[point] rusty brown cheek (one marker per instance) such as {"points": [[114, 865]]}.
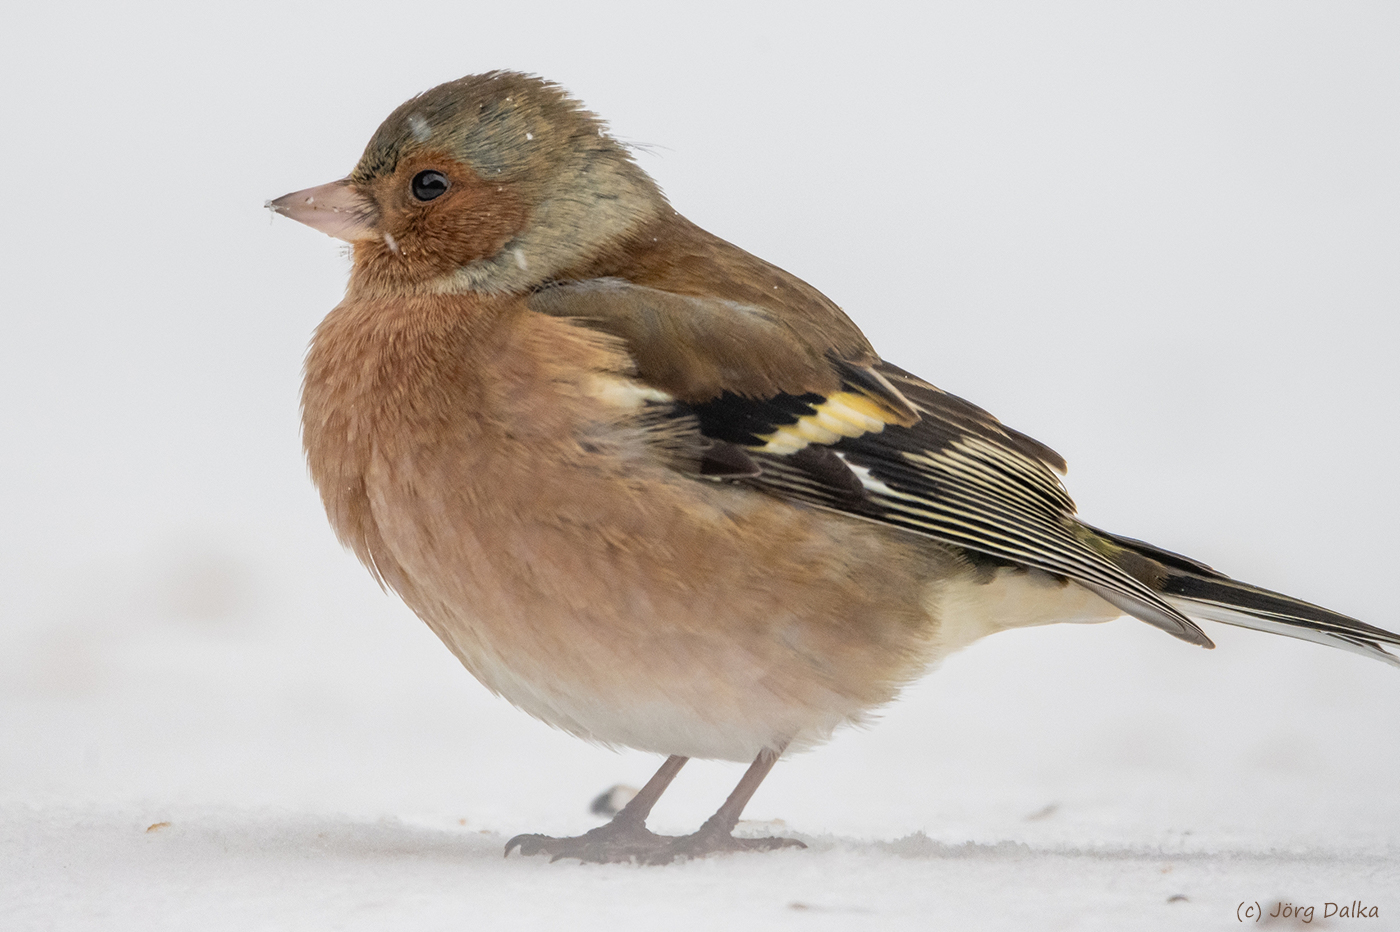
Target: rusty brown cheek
{"points": [[479, 220], [472, 221]]}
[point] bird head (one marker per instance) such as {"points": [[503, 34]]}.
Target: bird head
{"points": [[491, 184]]}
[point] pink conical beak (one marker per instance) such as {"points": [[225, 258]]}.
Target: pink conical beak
{"points": [[336, 209]]}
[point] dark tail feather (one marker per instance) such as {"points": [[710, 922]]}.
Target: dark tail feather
{"points": [[1198, 591]]}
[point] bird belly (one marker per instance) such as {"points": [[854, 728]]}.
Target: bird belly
{"points": [[660, 613]]}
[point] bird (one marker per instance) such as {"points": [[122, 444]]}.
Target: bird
{"points": [[660, 493]]}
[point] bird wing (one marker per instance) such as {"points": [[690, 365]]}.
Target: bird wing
{"points": [[784, 412]]}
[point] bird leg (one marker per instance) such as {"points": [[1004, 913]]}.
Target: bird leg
{"points": [[716, 835], [625, 838]]}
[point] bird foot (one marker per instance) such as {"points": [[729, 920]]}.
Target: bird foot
{"points": [[617, 842], [710, 841], [624, 842]]}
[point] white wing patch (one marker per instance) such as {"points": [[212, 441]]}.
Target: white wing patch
{"points": [[870, 483]]}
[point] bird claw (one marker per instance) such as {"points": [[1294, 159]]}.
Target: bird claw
{"points": [[528, 844]]}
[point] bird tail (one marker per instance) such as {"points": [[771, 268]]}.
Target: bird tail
{"points": [[1200, 592]]}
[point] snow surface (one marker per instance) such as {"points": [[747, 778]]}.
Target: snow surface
{"points": [[242, 764], [1161, 238]]}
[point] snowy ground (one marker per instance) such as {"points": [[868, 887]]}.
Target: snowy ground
{"points": [[1159, 237], [220, 869], [233, 763]]}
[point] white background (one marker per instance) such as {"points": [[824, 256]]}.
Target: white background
{"points": [[1163, 238]]}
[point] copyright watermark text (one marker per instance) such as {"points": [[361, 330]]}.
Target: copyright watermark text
{"points": [[1254, 912]]}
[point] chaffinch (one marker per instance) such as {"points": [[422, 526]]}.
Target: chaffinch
{"points": [[660, 493]]}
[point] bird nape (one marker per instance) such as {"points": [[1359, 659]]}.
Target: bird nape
{"points": [[658, 492]]}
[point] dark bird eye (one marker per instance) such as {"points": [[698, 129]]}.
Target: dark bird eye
{"points": [[429, 184]]}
